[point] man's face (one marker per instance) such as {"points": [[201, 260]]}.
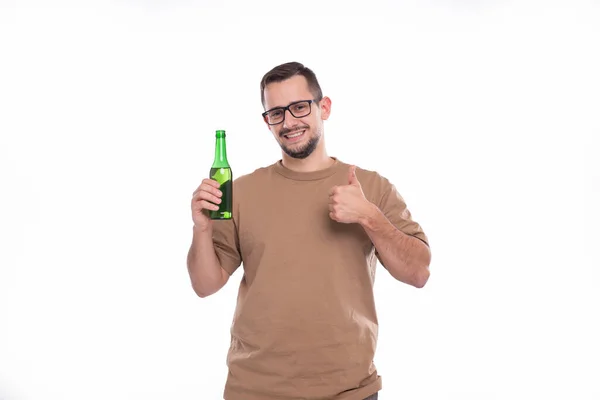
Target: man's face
{"points": [[298, 136]]}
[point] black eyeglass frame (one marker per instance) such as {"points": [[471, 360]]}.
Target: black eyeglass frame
{"points": [[287, 108]]}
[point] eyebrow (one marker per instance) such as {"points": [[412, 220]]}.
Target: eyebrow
{"points": [[275, 108]]}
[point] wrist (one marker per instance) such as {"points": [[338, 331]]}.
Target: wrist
{"points": [[202, 230], [368, 219]]}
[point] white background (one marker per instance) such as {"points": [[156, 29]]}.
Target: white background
{"points": [[484, 114]]}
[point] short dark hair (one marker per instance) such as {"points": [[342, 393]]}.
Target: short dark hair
{"points": [[285, 71]]}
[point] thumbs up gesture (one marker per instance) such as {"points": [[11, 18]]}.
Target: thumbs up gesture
{"points": [[347, 203]]}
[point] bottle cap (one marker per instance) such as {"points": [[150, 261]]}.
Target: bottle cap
{"points": [[220, 134]]}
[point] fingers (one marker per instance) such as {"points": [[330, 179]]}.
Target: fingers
{"points": [[199, 203], [204, 195], [207, 195], [340, 190], [210, 186], [211, 182], [205, 205]]}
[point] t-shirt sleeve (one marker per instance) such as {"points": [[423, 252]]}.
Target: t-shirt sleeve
{"points": [[226, 244], [394, 208]]}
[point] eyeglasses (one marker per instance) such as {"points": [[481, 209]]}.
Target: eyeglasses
{"points": [[298, 109]]}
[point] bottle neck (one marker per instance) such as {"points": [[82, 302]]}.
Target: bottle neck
{"points": [[220, 154]]}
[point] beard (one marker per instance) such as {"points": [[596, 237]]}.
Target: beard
{"points": [[304, 150]]}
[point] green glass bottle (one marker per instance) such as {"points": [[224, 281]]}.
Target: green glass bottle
{"points": [[221, 172]]}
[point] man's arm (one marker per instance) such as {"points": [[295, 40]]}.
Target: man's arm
{"points": [[405, 257], [204, 268]]}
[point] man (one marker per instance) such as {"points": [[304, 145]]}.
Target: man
{"points": [[309, 230]]}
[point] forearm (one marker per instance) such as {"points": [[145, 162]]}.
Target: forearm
{"points": [[405, 257], [204, 267]]}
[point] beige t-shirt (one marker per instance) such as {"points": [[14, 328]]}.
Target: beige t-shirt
{"points": [[305, 325]]}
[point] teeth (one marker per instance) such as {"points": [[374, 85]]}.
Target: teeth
{"points": [[295, 135]]}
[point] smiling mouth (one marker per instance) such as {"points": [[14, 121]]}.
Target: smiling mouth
{"points": [[294, 134]]}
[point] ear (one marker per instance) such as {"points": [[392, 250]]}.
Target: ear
{"points": [[325, 105]]}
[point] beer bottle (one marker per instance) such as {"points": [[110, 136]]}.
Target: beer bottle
{"points": [[221, 172]]}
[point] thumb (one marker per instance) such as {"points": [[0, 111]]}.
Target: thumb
{"points": [[352, 179]]}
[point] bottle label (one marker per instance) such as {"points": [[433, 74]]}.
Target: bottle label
{"points": [[221, 175]]}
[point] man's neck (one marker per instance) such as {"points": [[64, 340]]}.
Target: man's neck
{"points": [[315, 162]]}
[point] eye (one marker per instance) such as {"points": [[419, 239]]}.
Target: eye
{"points": [[275, 114], [299, 107]]}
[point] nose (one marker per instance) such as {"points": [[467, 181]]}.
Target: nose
{"points": [[289, 121]]}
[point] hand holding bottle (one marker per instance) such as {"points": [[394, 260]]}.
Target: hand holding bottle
{"points": [[205, 198], [221, 173]]}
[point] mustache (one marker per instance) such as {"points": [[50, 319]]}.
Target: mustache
{"points": [[285, 131]]}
